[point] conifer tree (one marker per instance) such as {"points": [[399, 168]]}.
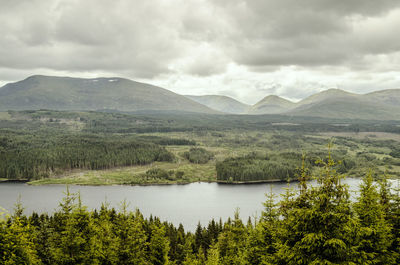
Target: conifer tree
{"points": [[131, 239], [393, 218], [317, 225], [17, 244], [105, 240], [232, 241], [261, 241], [213, 255], [373, 232], [158, 246], [75, 245]]}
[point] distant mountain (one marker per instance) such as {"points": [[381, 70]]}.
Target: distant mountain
{"points": [[336, 103], [119, 94], [332, 93], [271, 105], [221, 103], [66, 93]]}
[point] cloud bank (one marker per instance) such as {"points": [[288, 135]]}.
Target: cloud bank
{"points": [[243, 48]]}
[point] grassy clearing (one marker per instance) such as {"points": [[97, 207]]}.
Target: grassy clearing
{"points": [[134, 175]]}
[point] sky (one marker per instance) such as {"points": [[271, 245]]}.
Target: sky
{"points": [[245, 49]]}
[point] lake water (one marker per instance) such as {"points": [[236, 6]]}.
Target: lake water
{"points": [[186, 204]]}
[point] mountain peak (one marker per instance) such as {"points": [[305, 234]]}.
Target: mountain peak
{"points": [[271, 104], [274, 99], [113, 93]]}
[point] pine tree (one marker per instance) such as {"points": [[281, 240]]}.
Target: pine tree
{"points": [[158, 246], [17, 243], [393, 217], [231, 242], [105, 241], [261, 242], [213, 255], [131, 239], [373, 231], [317, 225], [74, 246]]}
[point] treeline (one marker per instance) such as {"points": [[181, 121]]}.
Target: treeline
{"points": [[107, 122], [37, 156], [313, 225]]}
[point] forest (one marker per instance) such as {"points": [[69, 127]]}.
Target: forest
{"points": [[312, 225], [46, 147], [32, 157]]}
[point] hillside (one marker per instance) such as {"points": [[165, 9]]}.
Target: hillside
{"points": [[66, 93], [335, 103], [221, 103], [328, 94], [271, 105], [390, 97]]}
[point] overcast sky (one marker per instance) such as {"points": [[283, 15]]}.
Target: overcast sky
{"points": [[244, 49]]}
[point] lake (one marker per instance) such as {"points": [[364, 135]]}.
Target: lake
{"points": [[186, 204]]}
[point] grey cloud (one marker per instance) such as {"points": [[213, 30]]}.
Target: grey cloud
{"points": [[145, 39], [310, 33], [91, 36]]}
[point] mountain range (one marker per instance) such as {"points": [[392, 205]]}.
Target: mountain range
{"points": [[119, 94], [331, 103]]}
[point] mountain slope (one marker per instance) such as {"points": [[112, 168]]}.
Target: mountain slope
{"points": [[271, 105], [221, 103], [334, 103], [332, 93], [390, 97], [66, 93]]}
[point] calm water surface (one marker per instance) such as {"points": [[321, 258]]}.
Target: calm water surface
{"points": [[186, 204]]}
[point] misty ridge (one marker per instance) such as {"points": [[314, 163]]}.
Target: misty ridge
{"points": [[119, 94]]}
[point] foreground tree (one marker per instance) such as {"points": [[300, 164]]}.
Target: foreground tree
{"points": [[317, 226], [373, 231]]}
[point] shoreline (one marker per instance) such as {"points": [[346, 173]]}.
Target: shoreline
{"points": [[220, 182]]}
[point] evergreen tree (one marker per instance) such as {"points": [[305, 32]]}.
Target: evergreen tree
{"points": [[318, 226], [158, 246], [74, 246], [213, 255], [17, 245], [131, 239], [232, 241], [105, 241], [373, 232], [393, 218]]}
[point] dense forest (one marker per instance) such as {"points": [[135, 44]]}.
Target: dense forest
{"points": [[253, 167], [313, 225], [278, 166], [37, 156]]}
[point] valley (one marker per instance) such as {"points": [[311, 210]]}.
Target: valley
{"points": [[122, 145]]}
